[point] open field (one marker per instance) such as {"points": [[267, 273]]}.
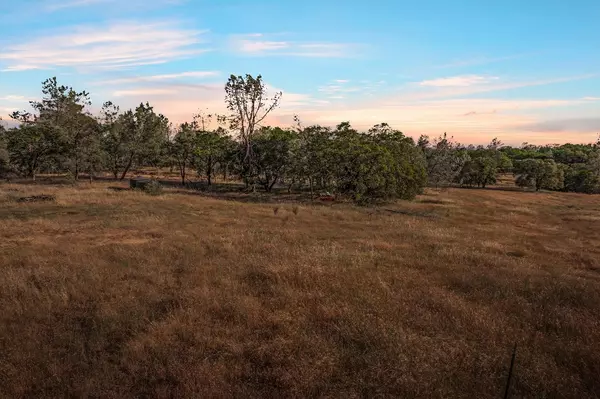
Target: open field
{"points": [[108, 293]]}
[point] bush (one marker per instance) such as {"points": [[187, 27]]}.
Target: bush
{"points": [[581, 179], [380, 166], [153, 187], [539, 174]]}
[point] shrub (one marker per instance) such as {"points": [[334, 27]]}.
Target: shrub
{"points": [[379, 166], [539, 174], [153, 187]]}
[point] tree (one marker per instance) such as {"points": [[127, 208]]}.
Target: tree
{"points": [[184, 147], [380, 165], [313, 156], [91, 156], [483, 165], [133, 137], [409, 171], [63, 108], [114, 137], [150, 134], [479, 171], [213, 148], [445, 159], [246, 98], [4, 157], [273, 155], [32, 146], [581, 179], [584, 177], [59, 116], [539, 174]]}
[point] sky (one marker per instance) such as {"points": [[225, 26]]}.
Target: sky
{"points": [[522, 71]]}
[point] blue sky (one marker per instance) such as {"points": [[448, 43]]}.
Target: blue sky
{"points": [[519, 70]]}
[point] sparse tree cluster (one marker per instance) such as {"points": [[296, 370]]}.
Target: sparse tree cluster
{"points": [[568, 167], [61, 136]]}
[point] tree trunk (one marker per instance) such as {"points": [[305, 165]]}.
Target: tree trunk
{"points": [[310, 183], [115, 168], [272, 184], [209, 170], [127, 167], [182, 172]]}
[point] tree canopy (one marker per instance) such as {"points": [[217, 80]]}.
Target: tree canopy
{"points": [[60, 135]]}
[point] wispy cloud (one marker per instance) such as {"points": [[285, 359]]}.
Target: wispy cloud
{"points": [[113, 46], [12, 98], [57, 5], [259, 45], [459, 81], [340, 89], [160, 78], [143, 92], [439, 88], [481, 60], [583, 125]]}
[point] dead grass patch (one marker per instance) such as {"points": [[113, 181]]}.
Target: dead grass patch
{"points": [[119, 294]]}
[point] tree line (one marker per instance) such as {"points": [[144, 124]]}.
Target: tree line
{"points": [[61, 136]]}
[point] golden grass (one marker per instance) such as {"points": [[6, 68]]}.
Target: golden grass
{"points": [[119, 294]]}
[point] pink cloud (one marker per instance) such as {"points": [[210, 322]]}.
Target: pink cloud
{"points": [[459, 81]]}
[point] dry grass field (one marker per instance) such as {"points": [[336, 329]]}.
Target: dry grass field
{"points": [[115, 294]]}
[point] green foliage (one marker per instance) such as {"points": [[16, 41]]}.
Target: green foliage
{"points": [[539, 174], [60, 136], [312, 155], [483, 165], [135, 137], [579, 178], [584, 178], [479, 171], [32, 147], [503, 162], [246, 99], [273, 155], [183, 148], [445, 159], [213, 149], [4, 157], [75, 132], [380, 165], [153, 187], [577, 162]]}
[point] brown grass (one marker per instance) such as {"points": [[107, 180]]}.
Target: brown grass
{"points": [[119, 294]]}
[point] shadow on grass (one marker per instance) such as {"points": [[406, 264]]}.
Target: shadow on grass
{"points": [[238, 194]]}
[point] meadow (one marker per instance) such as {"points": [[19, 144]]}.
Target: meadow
{"points": [[116, 293]]}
